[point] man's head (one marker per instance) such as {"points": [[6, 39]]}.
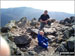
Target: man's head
{"points": [[41, 32], [45, 12]]}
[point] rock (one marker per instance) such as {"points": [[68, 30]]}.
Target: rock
{"points": [[68, 21], [54, 44], [70, 46], [21, 23], [72, 38], [32, 52], [62, 22], [26, 54], [61, 48], [33, 22], [68, 32], [51, 37], [11, 24], [4, 29], [13, 48], [59, 40], [73, 27], [23, 49], [67, 46], [29, 30], [34, 32], [72, 19], [52, 20], [22, 41], [49, 30], [55, 24]]}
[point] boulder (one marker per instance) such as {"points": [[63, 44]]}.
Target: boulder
{"points": [[67, 46], [51, 38], [61, 48], [14, 50], [29, 30], [4, 29], [33, 32], [11, 24], [32, 53], [68, 21], [33, 22], [62, 22], [54, 44], [59, 40], [72, 19], [22, 22], [51, 31], [70, 46], [68, 32], [52, 20], [22, 41]]}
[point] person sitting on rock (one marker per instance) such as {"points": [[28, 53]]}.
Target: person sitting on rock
{"points": [[44, 19], [42, 40]]}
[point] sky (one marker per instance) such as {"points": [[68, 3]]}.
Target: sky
{"points": [[58, 6]]}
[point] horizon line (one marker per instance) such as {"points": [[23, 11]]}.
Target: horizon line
{"points": [[37, 9]]}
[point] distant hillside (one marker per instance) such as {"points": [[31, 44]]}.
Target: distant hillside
{"points": [[18, 13]]}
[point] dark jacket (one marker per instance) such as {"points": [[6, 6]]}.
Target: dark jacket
{"points": [[44, 17]]}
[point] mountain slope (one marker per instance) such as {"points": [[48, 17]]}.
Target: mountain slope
{"points": [[17, 13]]}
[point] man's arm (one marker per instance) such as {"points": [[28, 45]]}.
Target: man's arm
{"points": [[48, 16], [41, 20]]}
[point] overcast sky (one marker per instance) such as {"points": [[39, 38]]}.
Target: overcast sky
{"points": [[58, 6]]}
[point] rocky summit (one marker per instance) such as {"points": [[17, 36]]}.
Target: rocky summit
{"points": [[22, 37]]}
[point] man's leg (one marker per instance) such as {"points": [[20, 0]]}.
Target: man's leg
{"points": [[42, 45], [42, 25], [46, 45], [49, 23], [45, 39]]}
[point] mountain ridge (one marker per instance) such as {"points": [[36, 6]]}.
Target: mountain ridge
{"points": [[19, 12]]}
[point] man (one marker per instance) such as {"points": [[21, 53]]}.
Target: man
{"points": [[42, 40], [44, 19]]}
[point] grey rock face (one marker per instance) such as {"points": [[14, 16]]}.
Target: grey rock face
{"points": [[67, 47], [4, 29], [22, 22], [33, 32], [33, 22], [22, 41], [68, 21]]}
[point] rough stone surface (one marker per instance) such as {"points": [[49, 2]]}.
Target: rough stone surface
{"points": [[22, 41], [22, 37]]}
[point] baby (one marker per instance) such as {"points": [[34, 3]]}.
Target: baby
{"points": [[42, 40]]}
